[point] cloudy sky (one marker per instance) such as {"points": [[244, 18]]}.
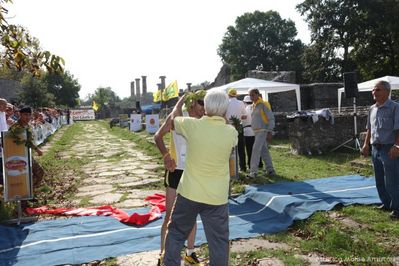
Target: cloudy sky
{"points": [[110, 43]]}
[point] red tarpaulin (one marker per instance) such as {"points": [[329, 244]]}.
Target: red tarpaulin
{"points": [[157, 201]]}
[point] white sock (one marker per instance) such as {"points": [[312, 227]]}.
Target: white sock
{"points": [[189, 251]]}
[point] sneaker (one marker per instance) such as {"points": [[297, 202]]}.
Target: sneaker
{"points": [[271, 173], [383, 207], [192, 260], [160, 261], [394, 215], [250, 175]]}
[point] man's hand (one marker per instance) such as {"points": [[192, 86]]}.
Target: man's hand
{"points": [[365, 151], [393, 152], [169, 163], [269, 136], [39, 152]]}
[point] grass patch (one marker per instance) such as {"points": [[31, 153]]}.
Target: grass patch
{"points": [[84, 202], [320, 233], [287, 257], [61, 172]]}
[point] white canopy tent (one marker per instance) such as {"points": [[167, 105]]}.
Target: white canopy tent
{"points": [[264, 86], [369, 85]]}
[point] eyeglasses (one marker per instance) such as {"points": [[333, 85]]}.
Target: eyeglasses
{"points": [[200, 102]]}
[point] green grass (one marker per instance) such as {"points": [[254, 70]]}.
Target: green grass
{"points": [[60, 172], [371, 238], [288, 257], [320, 233]]}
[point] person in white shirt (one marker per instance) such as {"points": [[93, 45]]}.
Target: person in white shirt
{"points": [[236, 109], [3, 120]]}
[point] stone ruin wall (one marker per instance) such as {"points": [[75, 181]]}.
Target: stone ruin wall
{"points": [[305, 136], [308, 138]]}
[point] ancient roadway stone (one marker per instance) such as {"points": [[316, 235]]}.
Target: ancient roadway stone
{"points": [[138, 183], [131, 203], [106, 198], [110, 173]]}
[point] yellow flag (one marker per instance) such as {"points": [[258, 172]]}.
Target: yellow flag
{"points": [[95, 106], [172, 91], [156, 96]]}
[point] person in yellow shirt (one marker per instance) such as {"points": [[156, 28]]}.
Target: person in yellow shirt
{"points": [[262, 123], [204, 186], [176, 154]]}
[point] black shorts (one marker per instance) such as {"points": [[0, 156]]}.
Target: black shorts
{"points": [[172, 179]]}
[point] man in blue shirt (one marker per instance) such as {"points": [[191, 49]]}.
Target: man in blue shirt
{"points": [[383, 135]]}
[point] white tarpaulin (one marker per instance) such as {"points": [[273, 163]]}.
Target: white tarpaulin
{"points": [[265, 86], [369, 85]]}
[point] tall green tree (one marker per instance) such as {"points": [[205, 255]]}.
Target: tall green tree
{"points": [[34, 92], [335, 26], [104, 97], [20, 51], [261, 40], [376, 50], [64, 88]]}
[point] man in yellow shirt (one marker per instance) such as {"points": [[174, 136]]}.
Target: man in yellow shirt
{"points": [[262, 123], [204, 186]]}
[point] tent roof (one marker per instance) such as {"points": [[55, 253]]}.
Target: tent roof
{"points": [[262, 85], [243, 85], [369, 85]]}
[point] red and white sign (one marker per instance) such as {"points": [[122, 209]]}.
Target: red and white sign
{"points": [[82, 114]]}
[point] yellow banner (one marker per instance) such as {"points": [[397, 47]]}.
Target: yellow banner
{"points": [[95, 106], [17, 169], [156, 96], [172, 91]]}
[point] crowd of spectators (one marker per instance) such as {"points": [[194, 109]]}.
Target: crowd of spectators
{"points": [[41, 118]]}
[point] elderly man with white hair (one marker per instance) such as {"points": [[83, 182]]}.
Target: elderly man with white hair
{"points": [[204, 186], [383, 135]]}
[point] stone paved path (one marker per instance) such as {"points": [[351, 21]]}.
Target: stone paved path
{"points": [[115, 170]]}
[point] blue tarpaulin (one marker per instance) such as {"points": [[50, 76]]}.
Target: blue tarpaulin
{"points": [[262, 209]]}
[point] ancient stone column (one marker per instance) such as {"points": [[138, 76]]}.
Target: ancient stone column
{"points": [[132, 89], [144, 83], [163, 81], [138, 88]]}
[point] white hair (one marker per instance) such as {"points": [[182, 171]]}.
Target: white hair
{"points": [[216, 103], [385, 84]]}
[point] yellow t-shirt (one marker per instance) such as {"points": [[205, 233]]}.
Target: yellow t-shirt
{"points": [[209, 143]]}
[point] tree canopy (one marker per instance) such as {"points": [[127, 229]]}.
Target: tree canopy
{"points": [[49, 89], [64, 88], [20, 51], [349, 35], [260, 40]]}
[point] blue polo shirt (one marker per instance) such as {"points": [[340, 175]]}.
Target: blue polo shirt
{"points": [[383, 122]]}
